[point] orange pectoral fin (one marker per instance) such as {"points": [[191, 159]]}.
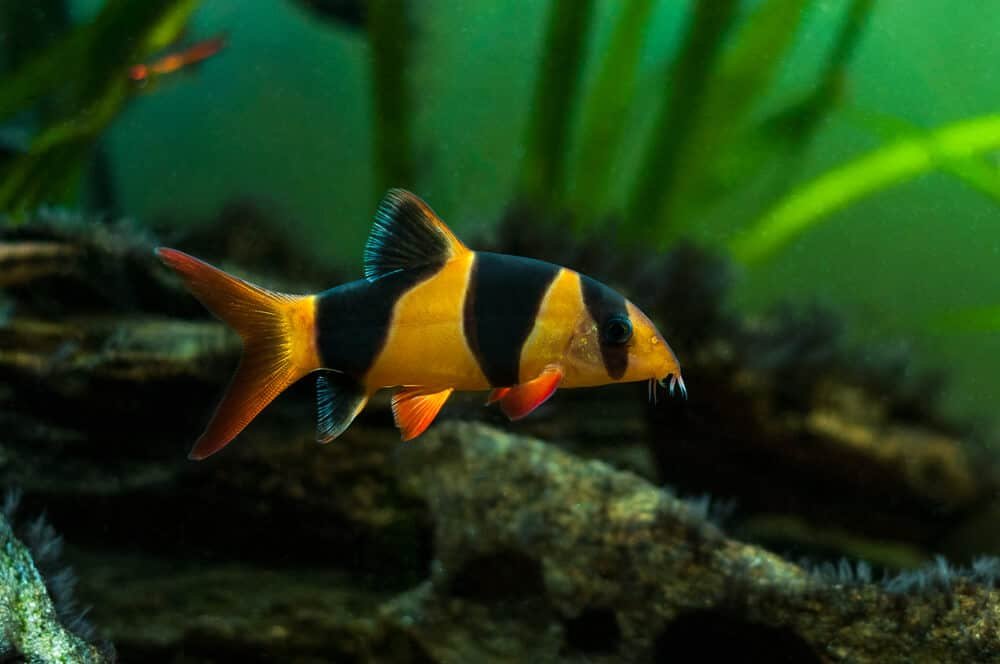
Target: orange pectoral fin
{"points": [[414, 409], [526, 397], [497, 394]]}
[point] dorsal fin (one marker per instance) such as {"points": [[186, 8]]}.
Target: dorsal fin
{"points": [[407, 234]]}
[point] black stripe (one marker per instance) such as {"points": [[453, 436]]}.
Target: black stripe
{"points": [[604, 303], [502, 301], [353, 319]]}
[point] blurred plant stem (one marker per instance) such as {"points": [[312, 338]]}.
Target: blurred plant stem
{"points": [[543, 172], [703, 146], [390, 37], [605, 109], [745, 69], [792, 127], [686, 83], [892, 164]]}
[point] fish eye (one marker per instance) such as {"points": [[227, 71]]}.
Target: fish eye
{"points": [[617, 330]]}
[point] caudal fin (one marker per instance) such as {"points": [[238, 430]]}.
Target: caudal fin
{"points": [[279, 347]]}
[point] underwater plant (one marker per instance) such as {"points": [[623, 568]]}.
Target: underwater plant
{"points": [[882, 168], [543, 171], [705, 130], [390, 34], [83, 78]]}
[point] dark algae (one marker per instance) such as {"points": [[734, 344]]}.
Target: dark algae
{"points": [[459, 256]]}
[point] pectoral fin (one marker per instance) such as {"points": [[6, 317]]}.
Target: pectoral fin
{"points": [[526, 397], [339, 399], [414, 408]]}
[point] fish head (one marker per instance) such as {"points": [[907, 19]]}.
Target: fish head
{"points": [[615, 342]]}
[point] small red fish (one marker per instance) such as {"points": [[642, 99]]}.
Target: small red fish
{"points": [[172, 62], [430, 316]]}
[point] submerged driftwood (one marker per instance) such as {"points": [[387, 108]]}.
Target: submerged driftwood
{"points": [[603, 548], [541, 556]]}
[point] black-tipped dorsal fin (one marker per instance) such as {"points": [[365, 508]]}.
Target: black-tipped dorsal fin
{"points": [[407, 234]]}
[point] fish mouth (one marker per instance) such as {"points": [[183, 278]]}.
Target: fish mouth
{"points": [[673, 382]]}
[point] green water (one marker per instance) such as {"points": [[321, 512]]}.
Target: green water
{"points": [[284, 116]]}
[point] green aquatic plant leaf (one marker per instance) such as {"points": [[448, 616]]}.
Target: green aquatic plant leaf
{"points": [[544, 167], [606, 105], [56, 156], [687, 81], [798, 121], [390, 36], [84, 77], [80, 64], [979, 173], [746, 69], [793, 125], [880, 169], [782, 136]]}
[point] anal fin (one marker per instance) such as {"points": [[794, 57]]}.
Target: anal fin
{"points": [[526, 397], [339, 399], [496, 394], [414, 408]]}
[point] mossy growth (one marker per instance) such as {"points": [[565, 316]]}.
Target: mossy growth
{"points": [[38, 619]]}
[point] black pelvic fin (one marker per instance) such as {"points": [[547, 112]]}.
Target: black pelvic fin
{"points": [[407, 234], [339, 399]]}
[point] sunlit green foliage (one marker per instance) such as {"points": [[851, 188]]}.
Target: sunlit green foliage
{"points": [[884, 167], [976, 171]]}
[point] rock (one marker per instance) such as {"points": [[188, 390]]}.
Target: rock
{"points": [[518, 521], [29, 622], [538, 556]]}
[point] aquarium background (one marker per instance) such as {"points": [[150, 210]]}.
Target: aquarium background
{"points": [[662, 146], [296, 91]]}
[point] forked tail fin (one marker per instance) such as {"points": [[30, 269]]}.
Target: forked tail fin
{"points": [[279, 343]]}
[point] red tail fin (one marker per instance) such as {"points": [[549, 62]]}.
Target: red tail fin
{"points": [[279, 344]]}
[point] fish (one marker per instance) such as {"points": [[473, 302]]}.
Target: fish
{"points": [[143, 73], [429, 317]]}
